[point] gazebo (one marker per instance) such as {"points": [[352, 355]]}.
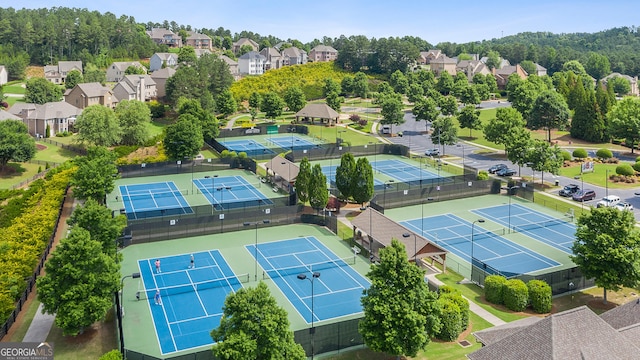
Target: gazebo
{"points": [[318, 111], [285, 169]]}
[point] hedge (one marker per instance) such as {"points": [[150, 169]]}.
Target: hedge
{"points": [[580, 153], [636, 166], [450, 318], [463, 304], [625, 169], [515, 295], [539, 296], [566, 156], [604, 154], [493, 285]]}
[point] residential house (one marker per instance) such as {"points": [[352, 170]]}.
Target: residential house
{"points": [[502, 63], [233, 66], [135, 87], [323, 53], [572, 334], [293, 56], [4, 75], [245, 41], [162, 36], [160, 77], [57, 116], [633, 81], [273, 58], [443, 63], [5, 115], [427, 56], [115, 72], [57, 74], [540, 70], [502, 74], [472, 67], [251, 63], [198, 41], [87, 94], [162, 60], [200, 52]]}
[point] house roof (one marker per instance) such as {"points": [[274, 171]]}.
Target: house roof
{"points": [[283, 167], [616, 74], [51, 110], [494, 334], [623, 315], [252, 55], [270, 51], [5, 115], [194, 35], [200, 52], [50, 69], [573, 334], [320, 111], [163, 73], [166, 56], [123, 65], [293, 52], [246, 41], [158, 33], [93, 89], [324, 48], [228, 60], [66, 66], [444, 60], [135, 79]]}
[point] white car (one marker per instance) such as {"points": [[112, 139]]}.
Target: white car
{"points": [[608, 201], [624, 206], [432, 152]]}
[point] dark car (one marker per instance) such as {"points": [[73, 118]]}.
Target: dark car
{"points": [[495, 168], [569, 190], [506, 172], [584, 195]]}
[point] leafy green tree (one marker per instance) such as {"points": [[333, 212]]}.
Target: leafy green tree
{"points": [[400, 313], [575, 67], [607, 248], [183, 139], [517, 145], [605, 100], [624, 120], [469, 95], [330, 86], [445, 83], [493, 60], [444, 132], [506, 118], [253, 326], [345, 175], [99, 222], [549, 111], [399, 82], [544, 157], [79, 282], [302, 180], [96, 174], [226, 103], [391, 111], [244, 49], [598, 65], [620, 85], [294, 98], [93, 74], [528, 66], [426, 109], [588, 123], [133, 117], [74, 77], [135, 70], [186, 82], [98, 125], [318, 193], [208, 123], [362, 183], [215, 73], [415, 92], [255, 100], [523, 97], [41, 91], [187, 55], [15, 143], [361, 85], [469, 118], [334, 101], [347, 85], [272, 105], [448, 105]]}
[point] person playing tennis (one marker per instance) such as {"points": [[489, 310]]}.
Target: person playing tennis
{"points": [[157, 298], [158, 266], [192, 264]]}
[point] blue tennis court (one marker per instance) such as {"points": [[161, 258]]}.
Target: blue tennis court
{"points": [[153, 200], [552, 231], [248, 146], [454, 234], [229, 192], [330, 172], [191, 298], [404, 172], [291, 142], [336, 292]]}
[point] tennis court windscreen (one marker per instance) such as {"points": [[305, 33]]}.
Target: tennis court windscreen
{"points": [[200, 286], [306, 268]]}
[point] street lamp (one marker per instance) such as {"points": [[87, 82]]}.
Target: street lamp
{"points": [[463, 168], [221, 189], [255, 249], [509, 193], [473, 224], [213, 186], [415, 245], [422, 216], [582, 188], [386, 183], [121, 308], [312, 331], [375, 154]]}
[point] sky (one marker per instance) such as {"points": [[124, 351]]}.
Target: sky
{"points": [[433, 21]]}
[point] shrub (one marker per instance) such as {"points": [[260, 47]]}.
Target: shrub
{"points": [[604, 154], [124, 150], [354, 117], [483, 175], [638, 159], [625, 169], [515, 295], [493, 288], [156, 108], [566, 155], [496, 185], [112, 355], [462, 303], [539, 296], [450, 320], [580, 153], [636, 166]]}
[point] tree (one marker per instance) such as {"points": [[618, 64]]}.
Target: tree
{"points": [[41, 91], [506, 118], [187, 55], [302, 180], [607, 248], [528, 66], [226, 103], [133, 117], [517, 145], [253, 326], [186, 82], [399, 82], [255, 100], [294, 98], [272, 105], [400, 313], [93, 74], [362, 183], [74, 77], [549, 111], [544, 157], [493, 60], [415, 92], [208, 123], [445, 83], [469, 95], [99, 222], [624, 121], [391, 110], [469, 118], [334, 101], [79, 282], [96, 174], [620, 85], [361, 85], [330, 86], [345, 175], [588, 123], [426, 109], [448, 105], [445, 132], [598, 66], [318, 193], [98, 126], [15, 143], [183, 139], [135, 70]]}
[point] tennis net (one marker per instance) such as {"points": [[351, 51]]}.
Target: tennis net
{"points": [[305, 268], [200, 286], [155, 195], [477, 235], [538, 225]]}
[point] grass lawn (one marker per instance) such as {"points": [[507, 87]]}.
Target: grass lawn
{"points": [[100, 338], [20, 328], [15, 173], [52, 153], [597, 177], [11, 100], [14, 88]]}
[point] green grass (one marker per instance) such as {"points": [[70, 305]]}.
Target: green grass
{"points": [[597, 177], [54, 153], [21, 328], [100, 338], [14, 89], [15, 173], [12, 100]]}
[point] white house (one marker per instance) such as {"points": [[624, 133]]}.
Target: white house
{"points": [[4, 75], [135, 87], [251, 63], [115, 72], [160, 60]]}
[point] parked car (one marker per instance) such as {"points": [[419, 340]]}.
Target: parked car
{"points": [[432, 152], [584, 195], [623, 205], [494, 169], [569, 190], [608, 201], [506, 172]]}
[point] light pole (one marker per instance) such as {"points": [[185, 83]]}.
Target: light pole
{"points": [[422, 216], [386, 183], [375, 154], [606, 183], [473, 224], [415, 245], [582, 188], [255, 249], [213, 199], [221, 189], [120, 309], [463, 169], [509, 193], [312, 331]]}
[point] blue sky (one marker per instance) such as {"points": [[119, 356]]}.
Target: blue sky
{"points": [[434, 21]]}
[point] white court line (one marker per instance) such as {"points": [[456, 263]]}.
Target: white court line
{"points": [[197, 293]]}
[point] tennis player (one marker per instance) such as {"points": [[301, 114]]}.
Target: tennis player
{"points": [[158, 266], [192, 264], [157, 298]]}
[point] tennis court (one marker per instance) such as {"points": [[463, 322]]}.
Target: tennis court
{"points": [[404, 172], [229, 192], [291, 142], [191, 298], [552, 231], [335, 293], [248, 146], [152, 200], [489, 248]]}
